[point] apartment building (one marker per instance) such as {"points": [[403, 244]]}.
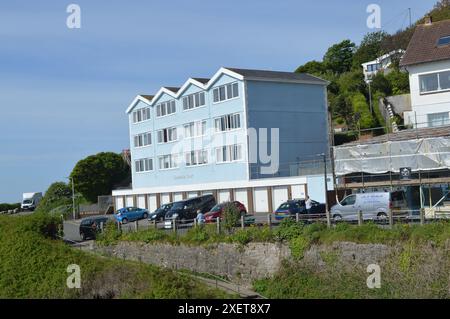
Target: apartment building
{"points": [[239, 135]]}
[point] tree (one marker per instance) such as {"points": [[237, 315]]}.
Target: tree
{"points": [[97, 174], [339, 57], [57, 194], [341, 107], [369, 49], [350, 82], [312, 67], [381, 84], [361, 107], [399, 82], [231, 216]]}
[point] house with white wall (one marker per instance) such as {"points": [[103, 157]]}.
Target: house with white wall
{"points": [[380, 64], [239, 135], [427, 60]]}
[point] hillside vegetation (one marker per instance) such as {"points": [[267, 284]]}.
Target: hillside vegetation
{"points": [[33, 265], [348, 94]]}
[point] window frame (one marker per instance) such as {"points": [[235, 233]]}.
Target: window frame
{"points": [[143, 162], [234, 89], [439, 87]]}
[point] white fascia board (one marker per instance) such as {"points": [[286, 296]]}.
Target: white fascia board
{"points": [[138, 98], [325, 82], [186, 85], [219, 73], [263, 182], [160, 93]]}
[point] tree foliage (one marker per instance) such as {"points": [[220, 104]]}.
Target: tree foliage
{"points": [[369, 49], [98, 174], [339, 57], [57, 194]]}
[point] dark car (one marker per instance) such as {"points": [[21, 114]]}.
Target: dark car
{"points": [[89, 227], [187, 209], [294, 206], [160, 213], [217, 211]]}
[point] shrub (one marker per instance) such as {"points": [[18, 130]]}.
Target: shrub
{"points": [[288, 229], [231, 216]]}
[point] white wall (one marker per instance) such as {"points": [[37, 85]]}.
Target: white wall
{"points": [[423, 104]]}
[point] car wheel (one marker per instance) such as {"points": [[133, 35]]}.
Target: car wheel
{"points": [[382, 216], [83, 236], [145, 215], [124, 221], [337, 217]]}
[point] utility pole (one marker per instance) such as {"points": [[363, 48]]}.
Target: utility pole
{"points": [[370, 98], [326, 189], [410, 21], [73, 197]]}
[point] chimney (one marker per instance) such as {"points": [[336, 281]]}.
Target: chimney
{"points": [[428, 20]]}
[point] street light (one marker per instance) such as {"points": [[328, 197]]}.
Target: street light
{"points": [[73, 197], [326, 188]]}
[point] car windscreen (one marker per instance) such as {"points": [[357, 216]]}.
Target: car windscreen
{"points": [[284, 206], [396, 196], [27, 201], [86, 222], [216, 208]]}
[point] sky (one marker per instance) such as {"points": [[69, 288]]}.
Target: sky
{"points": [[64, 92]]}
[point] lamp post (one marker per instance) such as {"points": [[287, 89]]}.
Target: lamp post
{"points": [[326, 188], [73, 197]]}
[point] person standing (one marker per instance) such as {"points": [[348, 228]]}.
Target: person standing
{"points": [[308, 204]]}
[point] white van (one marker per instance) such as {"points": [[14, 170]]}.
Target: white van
{"points": [[372, 205]]}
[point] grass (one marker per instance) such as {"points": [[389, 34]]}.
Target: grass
{"points": [[34, 265], [289, 231]]}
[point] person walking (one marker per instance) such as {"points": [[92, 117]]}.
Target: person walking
{"points": [[200, 218]]}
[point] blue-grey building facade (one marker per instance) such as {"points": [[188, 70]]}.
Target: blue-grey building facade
{"points": [[210, 133]]}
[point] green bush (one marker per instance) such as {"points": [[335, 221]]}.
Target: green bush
{"points": [[231, 216], [288, 229]]}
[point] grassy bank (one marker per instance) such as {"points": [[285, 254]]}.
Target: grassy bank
{"points": [[417, 268], [33, 265], [291, 232]]}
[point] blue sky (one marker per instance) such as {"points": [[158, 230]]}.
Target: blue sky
{"points": [[63, 92]]}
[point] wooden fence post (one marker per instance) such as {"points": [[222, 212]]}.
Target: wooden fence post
{"points": [[422, 216], [269, 220], [218, 225], [391, 219], [297, 217], [242, 222], [360, 218], [136, 225], [174, 225]]}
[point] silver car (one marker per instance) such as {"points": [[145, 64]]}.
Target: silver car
{"points": [[372, 205]]}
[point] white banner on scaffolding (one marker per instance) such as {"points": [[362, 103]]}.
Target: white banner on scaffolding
{"points": [[424, 154]]}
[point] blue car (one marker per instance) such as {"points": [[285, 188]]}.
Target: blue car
{"points": [[129, 214]]}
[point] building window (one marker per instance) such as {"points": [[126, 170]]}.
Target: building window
{"points": [[165, 108], [167, 135], [227, 122], [168, 161], [225, 92], [194, 100], [434, 82], [143, 139], [141, 115], [444, 40], [228, 153], [194, 129], [143, 165], [373, 67], [438, 119], [194, 158]]}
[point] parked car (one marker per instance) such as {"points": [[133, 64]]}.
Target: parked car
{"points": [[217, 211], [290, 208], [375, 205], [160, 213], [185, 210], [129, 214], [89, 227]]}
